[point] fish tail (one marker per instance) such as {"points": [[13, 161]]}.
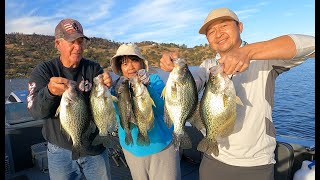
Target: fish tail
{"points": [[208, 146], [176, 141], [75, 152], [143, 140], [128, 139], [185, 141], [101, 133]]}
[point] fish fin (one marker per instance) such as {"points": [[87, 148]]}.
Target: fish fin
{"points": [[132, 125], [143, 140], [176, 141], [114, 98], [91, 128], [174, 91], [75, 153], [64, 132], [195, 120], [208, 146], [57, 111], [228, 127], [227, 132], [238, 101], [166, 118], [150, 125], [113, 125], [101, 93], [107, 141], [185, 142], [152, 102], [128, 138], [225, 100], [121, 124], [133, 119], [163, 93], [213, 149], [97, 140]]}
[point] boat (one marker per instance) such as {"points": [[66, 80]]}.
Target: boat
{"points": [[25, 149], [25, 154]]}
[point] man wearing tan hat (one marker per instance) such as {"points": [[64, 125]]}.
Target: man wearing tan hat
{"points": [[248, 153], [48, 81], [154, 158]]}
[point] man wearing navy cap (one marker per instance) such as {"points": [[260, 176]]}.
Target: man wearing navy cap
{"points": [[48, 81]]}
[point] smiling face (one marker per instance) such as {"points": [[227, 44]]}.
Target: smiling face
{"points": [[130, 65], [71, 52], [224, 35]]}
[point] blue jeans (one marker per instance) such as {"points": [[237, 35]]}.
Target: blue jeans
{"points": [[62, 167]]}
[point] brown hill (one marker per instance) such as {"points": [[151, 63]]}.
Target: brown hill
{"points": [[23, 52]]}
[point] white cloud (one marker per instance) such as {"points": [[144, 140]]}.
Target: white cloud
{"points": [[169, 21], [30, 25], [157, 21]]}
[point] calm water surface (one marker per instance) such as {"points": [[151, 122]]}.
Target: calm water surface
{"points": [[294, 108]]}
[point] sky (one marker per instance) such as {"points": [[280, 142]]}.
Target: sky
{"points": [[161, 21]]}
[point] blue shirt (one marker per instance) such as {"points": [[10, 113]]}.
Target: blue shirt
{"points": [[160, 136]]}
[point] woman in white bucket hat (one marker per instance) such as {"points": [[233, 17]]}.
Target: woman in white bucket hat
{"points": [[157, 160]]}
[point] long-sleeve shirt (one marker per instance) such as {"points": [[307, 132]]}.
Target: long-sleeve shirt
{"points": [[43, 105], [253, 142], [160, 136]]}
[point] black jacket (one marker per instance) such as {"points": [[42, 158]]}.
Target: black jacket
{"points": [[43, 105]]}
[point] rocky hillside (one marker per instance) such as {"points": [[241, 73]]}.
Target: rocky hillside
{"points": [[23, 52]]}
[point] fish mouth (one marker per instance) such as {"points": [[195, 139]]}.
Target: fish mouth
{"points": [[98, 79], [214, 70], [179, 62]]}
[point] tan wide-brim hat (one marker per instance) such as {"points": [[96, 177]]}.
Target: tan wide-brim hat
{"points": [[126, 49], [216, 14]]}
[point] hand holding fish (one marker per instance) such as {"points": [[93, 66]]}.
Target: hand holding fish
{"points": [[166, 63], [107, 80], [235, 61], [57, 85], [143, 75]]}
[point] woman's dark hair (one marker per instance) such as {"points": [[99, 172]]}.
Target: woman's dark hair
{"points": [[122, 59]]}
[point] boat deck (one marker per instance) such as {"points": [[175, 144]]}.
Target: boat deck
{"points": [[189, 171]]}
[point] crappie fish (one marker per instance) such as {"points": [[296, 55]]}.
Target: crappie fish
{"points": [[125, 107], [142, 107], [74, 118], [217, 109], [103, 111], [181, 99]]}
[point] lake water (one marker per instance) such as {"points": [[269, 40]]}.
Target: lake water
{"points": [[294, 104], [294, 109]]}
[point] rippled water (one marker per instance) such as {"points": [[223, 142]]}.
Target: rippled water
{"points": [[294, 109]]}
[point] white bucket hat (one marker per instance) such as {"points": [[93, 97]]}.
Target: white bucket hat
{"points": [[126, 49]]}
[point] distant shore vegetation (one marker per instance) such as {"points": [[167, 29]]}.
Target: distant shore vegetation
{"points": [[24, 51]]}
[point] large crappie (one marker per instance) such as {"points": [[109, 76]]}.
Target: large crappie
{"points": [[217, 109], [181, 99], [103, 111], [125, 107], [74, 118], [142, 107]]}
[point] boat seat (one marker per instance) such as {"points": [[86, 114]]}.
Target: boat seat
{"points": [[284, 156]]}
